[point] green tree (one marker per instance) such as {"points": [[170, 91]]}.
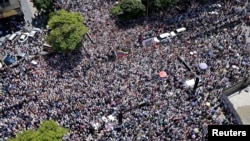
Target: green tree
{"points": [[66, 32], [43, 4], [48, 131], [115, 10], [133, 8]]}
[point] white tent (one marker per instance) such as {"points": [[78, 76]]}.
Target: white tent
{"points": [[1, 65], [150, 41], [190, 83]]}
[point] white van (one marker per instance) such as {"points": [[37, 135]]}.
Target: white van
{"points": [[173, 34], [165, 35], [12, 37], [32, 34], [181, 29]]}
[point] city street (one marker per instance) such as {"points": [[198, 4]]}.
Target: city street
{"points": [[28, 10]]}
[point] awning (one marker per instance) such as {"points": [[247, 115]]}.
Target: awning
{"points": [[9, 60], [9, 13]]}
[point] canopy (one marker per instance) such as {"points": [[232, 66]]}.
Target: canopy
{"points": [[190, 83], [163, 74], [203, 66], [9, 60], [150, 41], [1, 65], [196, 130]]}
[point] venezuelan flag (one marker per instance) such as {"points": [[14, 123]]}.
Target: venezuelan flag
{"points": [[121, 53]]}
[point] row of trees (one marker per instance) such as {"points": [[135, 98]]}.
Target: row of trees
{"points": [[48, 131], [137, 8], [67, 28], [43, 5]]}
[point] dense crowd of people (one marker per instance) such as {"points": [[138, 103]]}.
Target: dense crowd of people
{"points": [[10, 25], [100, 96]]}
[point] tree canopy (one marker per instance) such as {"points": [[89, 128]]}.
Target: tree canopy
{"points": [[132, 8], [115, 10], [43, 4], [137, 8], [48, 131], [66, 32]]}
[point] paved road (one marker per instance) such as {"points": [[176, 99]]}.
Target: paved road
{"points": [[28, 10]]}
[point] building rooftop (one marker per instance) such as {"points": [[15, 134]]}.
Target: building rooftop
{"points": [[241, 103]]}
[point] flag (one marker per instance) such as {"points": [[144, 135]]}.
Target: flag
{"points": [[121, 53]]}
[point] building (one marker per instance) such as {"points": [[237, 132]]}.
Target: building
{"points": [[9, 8], [237, 100]]}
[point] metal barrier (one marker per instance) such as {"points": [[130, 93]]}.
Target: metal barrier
{"points": [[236, 87]]}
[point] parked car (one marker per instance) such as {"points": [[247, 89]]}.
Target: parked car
{"points": [[12, 37], [32, 34], [23, 37], [37, 29], [182, 29]]}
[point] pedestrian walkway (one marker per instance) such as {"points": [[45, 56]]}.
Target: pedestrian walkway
{"points": [[28, 10]]}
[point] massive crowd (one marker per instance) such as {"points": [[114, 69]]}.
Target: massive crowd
{"points": [[85, 90]]}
